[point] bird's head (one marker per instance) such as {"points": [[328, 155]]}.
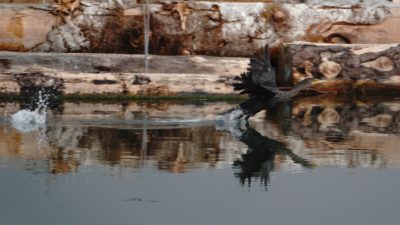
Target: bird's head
{"points": [[315, 81], [309, 82]]}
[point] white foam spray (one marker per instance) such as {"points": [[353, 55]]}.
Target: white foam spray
{"points": [[31, 120]]}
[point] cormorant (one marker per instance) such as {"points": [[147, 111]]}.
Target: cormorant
{"points": [[259, 83]]}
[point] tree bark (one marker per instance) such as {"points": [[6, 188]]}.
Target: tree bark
{"points": [[116, 74], [211, 28], [347, 67]]}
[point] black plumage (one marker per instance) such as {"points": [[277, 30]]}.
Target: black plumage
{"points": [[258, 82], [259, 78]]}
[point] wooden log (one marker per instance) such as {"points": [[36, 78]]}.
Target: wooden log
{"points": [[195, 27], [347, 67], [114, 74], [333, 31], [11, 62]]}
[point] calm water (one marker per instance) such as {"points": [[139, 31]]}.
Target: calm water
{"points": [[315, 161]]}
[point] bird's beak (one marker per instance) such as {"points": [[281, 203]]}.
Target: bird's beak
{"points": [[317, 82]]}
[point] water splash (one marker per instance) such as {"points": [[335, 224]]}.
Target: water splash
{"points": [[27, 120]]}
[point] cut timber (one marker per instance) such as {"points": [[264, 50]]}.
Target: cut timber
{"points": [[96, 63], [347, 67], [116, 74], [190, 27]]}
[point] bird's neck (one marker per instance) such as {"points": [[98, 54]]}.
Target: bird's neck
{"points": [[300, 86]]}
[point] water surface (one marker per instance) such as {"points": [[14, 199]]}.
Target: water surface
{"points": [[314, 161]]}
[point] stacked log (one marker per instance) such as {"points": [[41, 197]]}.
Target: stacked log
{"points": [[84, 74], [361, 57], [190, 27], [364, 68]]}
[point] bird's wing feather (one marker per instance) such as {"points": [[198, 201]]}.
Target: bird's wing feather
{"points": [[259, 79], [262, 72], [245, 85]]}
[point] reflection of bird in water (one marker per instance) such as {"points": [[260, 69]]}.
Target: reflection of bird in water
{"points": [[259, 83], [259, 159]]}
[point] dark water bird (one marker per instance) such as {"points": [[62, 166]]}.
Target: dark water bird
{"points": [[258, 82]]}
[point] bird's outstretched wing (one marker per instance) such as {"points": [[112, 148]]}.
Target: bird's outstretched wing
{"points": [[262, 72], [245, 85], [259, 79]]}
